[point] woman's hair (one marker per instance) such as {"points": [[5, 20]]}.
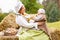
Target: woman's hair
{"points": [[20, 8]]}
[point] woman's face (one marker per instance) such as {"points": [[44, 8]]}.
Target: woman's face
{"points": [[22, 10]]}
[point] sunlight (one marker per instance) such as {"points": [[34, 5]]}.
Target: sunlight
{"points": [[7, 5], [40, 1]]}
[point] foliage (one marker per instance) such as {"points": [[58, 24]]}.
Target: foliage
{"points": [[2, 15], [31, 6], [52, 11]]}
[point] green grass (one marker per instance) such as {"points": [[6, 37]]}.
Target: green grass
{"points": [[54, 25]]}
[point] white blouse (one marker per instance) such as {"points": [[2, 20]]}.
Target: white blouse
{"points": [[21, 21]]}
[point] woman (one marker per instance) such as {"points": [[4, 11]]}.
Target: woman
{"points": [[27, 30], [21, 20]]}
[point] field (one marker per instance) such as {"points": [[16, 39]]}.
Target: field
{"points": [[54, 25]]}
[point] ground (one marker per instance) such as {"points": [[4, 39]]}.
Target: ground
{"points": [[54, 25]]}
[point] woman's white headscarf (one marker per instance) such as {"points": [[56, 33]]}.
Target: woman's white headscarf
{"points": [[18, 6]]}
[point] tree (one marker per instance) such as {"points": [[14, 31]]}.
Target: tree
{"points": [[52, 10], [58, 2], [31, 6], [2, 15]]}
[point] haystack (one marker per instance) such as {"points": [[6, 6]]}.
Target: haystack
{"points": [[55, 34], [8, 21], [9, 38]]}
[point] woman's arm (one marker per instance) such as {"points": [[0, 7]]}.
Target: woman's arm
{"points": [[20, 20]]}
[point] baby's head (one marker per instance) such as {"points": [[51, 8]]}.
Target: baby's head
{"points": [[41, 11]]}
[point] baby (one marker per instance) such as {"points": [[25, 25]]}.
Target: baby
{"points": [[40, 15], [41, 20]]}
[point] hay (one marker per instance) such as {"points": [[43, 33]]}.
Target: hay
{"points": [[55, 35], [9, 38], [8, 21]]}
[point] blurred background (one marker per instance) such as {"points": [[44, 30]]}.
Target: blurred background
{"points": [[52, 8]]}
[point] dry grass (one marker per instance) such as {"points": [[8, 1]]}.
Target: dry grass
{"points": [[9, 38], [55, 35], [8, 21]]}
